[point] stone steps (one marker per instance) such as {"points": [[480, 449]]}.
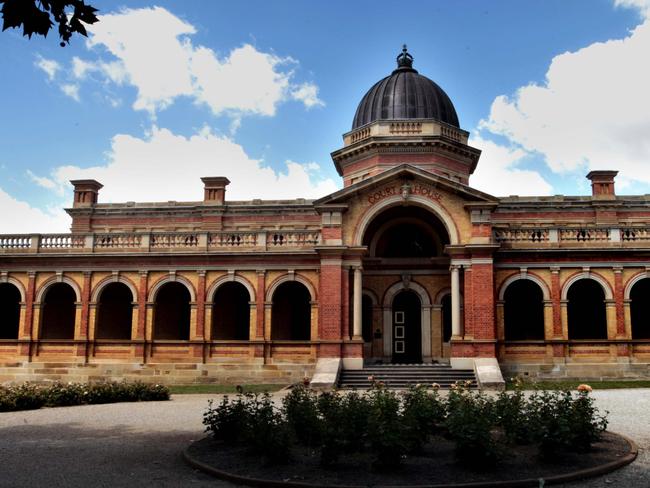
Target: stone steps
{"points": [[403, 376]]}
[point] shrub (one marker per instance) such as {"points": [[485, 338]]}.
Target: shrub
{"points": [[333, 433], [470, 421], [230, 421], [301, 411], [385, 428], [269, 434], [422, 413], [513, 414], [21, 397], [564, 422], [28, 396]]}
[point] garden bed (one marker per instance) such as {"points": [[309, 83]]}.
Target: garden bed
{"points": [[436, 465], [412, 438]]}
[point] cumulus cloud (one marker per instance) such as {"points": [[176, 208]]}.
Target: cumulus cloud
{"points": [[49, 66], [642, 5], [71, 90], [18, 217], [498, 174], [591, 112], [154, 53], [164, 166]]}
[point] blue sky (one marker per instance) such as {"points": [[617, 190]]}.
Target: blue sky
{"points": [[163, 93]]}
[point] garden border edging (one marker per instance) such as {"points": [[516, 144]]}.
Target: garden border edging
{"points": [[530, 482]]}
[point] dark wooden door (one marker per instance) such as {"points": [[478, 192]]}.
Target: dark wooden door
{"points": [[407, 323]]}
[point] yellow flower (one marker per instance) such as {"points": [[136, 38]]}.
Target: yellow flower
{"points": [[584, 388]]}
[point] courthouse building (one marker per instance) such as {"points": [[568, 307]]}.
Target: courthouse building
{"points": [[406, 264]]}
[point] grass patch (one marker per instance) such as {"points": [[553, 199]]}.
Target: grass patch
{"points": [[572, 385], [189, 389]]}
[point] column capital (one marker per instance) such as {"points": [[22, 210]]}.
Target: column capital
{"points": [[260, 272], [555, 269], [617, 269], [201, 273]]}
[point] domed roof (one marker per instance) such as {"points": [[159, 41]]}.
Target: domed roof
{"points": [[405, 94]]}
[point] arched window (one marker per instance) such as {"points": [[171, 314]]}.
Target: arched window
{"points": [[366, 318], [586, 310], [446, 317], [172, 312], [523, 311], [640, 309], [231, 312], [9, 311], [59, 312], [114, 312], [291, 312]]}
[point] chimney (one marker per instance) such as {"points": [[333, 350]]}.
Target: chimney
{"points": [[85, 192], [602, 184], [214, 189]]}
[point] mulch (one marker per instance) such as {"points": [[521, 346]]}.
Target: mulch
{"points": [[436, 465]]}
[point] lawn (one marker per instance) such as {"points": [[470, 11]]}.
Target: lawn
{"points": [[572, 385], [178, 389]]}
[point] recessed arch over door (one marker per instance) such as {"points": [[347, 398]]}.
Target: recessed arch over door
{"points": [[424, 319]]}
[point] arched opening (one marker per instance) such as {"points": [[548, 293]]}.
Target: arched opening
{"points": [[523, 311], [291, 312], [59, 312], [402, 233], [640, 309], [407, 324], [9, 311], [446, 318], [366, 318], [231, 312], [586, 310], [114, 312], [172, 312]]}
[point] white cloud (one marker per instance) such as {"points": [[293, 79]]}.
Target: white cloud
{"points": [[45, 182], [155, 54], [307, 93], [592, 111], [164, 166], [49, 66], [71, 90], [497, 171], [20, 218], [642, 5]]}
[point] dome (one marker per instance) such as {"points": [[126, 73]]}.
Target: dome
{"points": [[405, 94]]}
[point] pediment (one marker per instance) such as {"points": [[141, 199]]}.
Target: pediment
{"points": [[407, 180]]}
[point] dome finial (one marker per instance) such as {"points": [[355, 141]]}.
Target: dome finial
{"points": [[404, 60]]}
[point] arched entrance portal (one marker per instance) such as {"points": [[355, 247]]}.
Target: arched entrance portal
{"points": [[406, 264], [407, 337]]}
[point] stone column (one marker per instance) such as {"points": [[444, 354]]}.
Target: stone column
{"points": [[28, 330], [357, 300], [456, 329]]}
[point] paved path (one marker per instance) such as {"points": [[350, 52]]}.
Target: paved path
{"points": [[139, 444]]}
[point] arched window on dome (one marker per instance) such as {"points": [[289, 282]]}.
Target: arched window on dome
{"points": [[172, 312], [231, 312], [640, 309], [291, 312], [523, 311], [586, 310], [9, 311], [59, 310], [114, 312]]}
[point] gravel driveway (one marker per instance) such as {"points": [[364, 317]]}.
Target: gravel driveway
{"points": [[139, 444]]}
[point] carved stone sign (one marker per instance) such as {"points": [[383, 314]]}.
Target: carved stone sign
{"points": [[396, 189]]}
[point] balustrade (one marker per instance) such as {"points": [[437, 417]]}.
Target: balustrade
{"points": [[117, 241], [292, 238], [229, 240], [15, 242]]}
